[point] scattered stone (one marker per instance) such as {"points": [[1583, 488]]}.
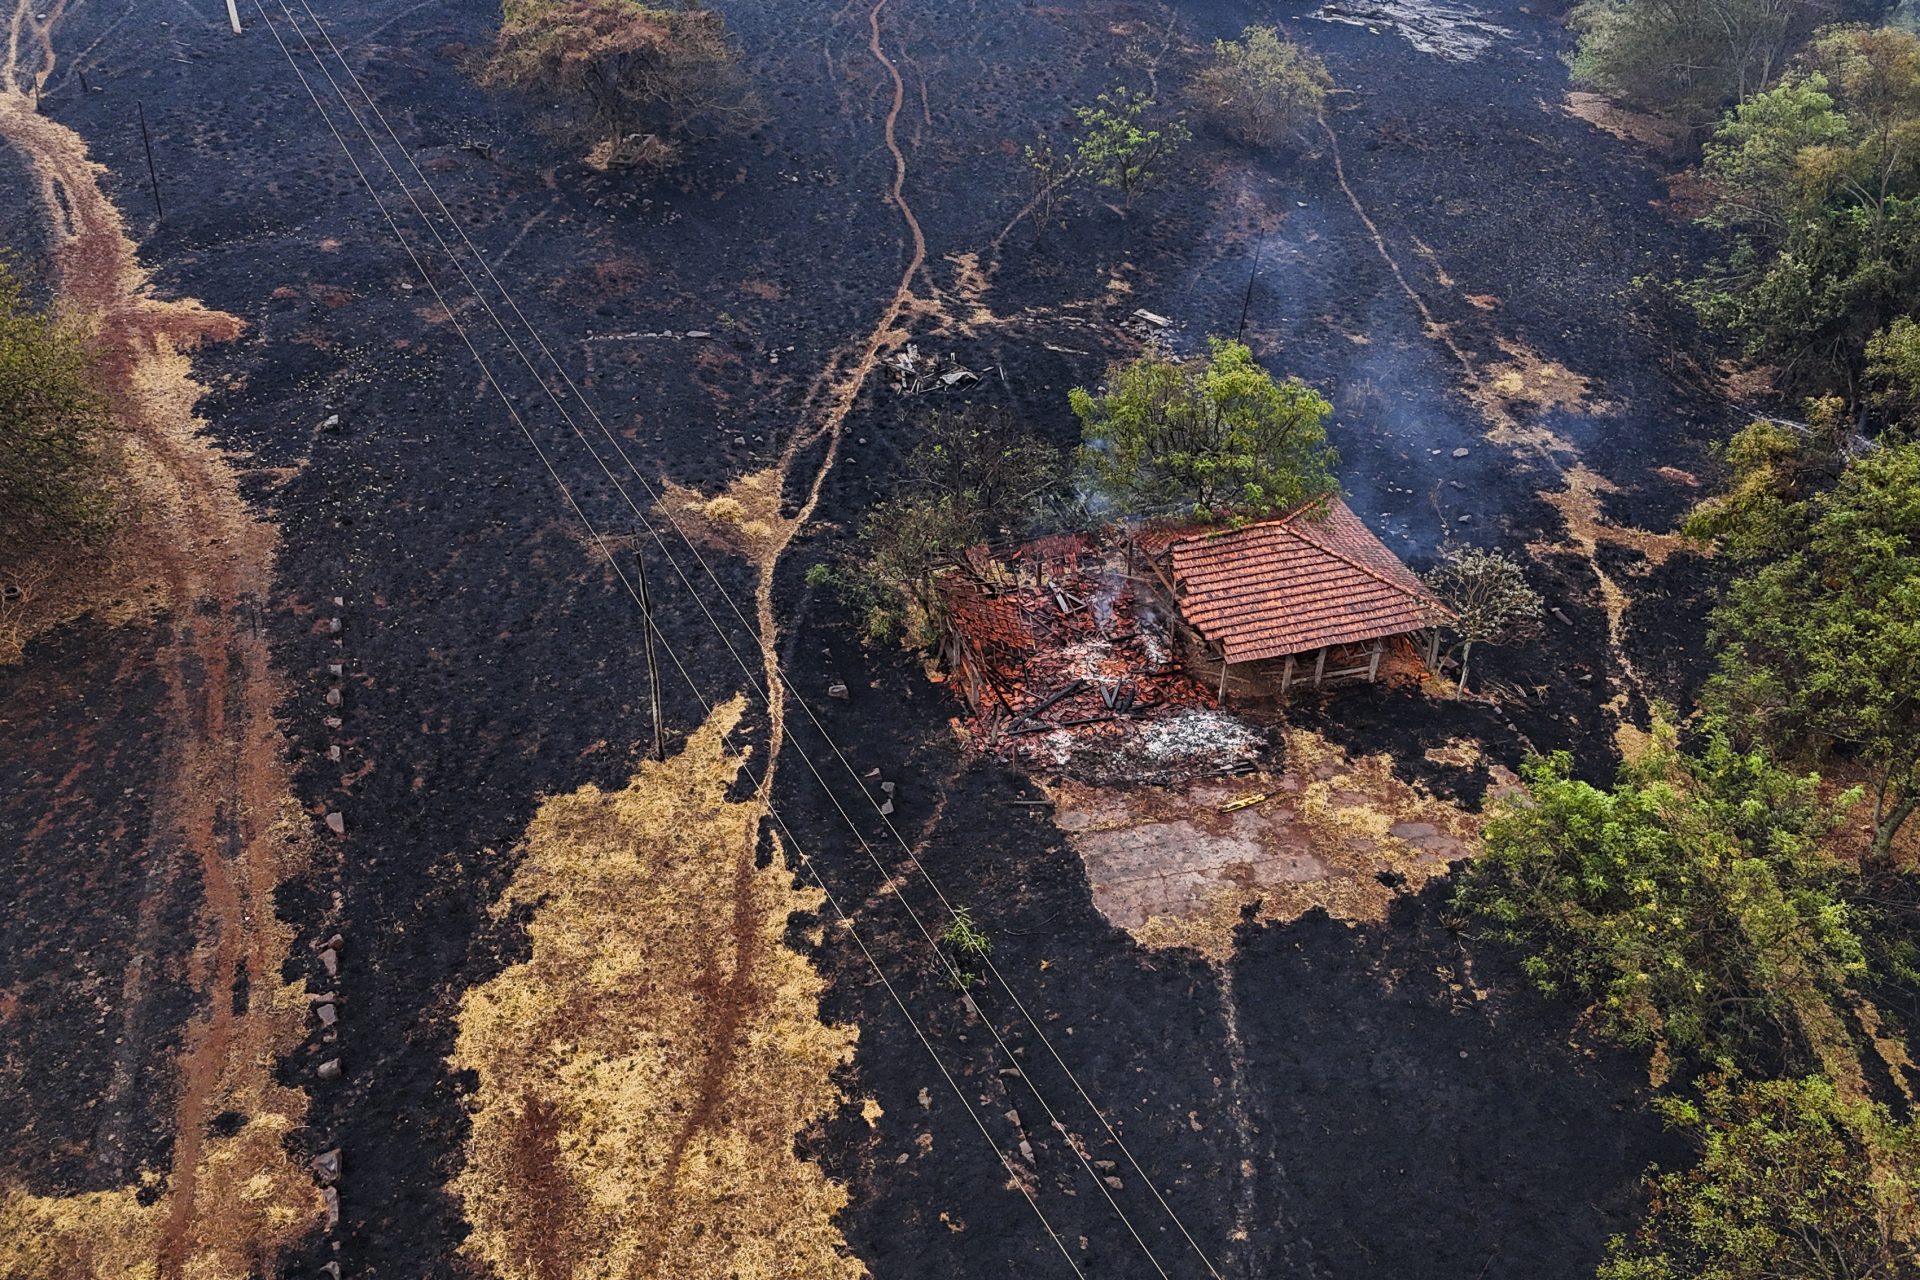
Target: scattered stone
{"points": [[337, 823], [333, 722], [1114, 1182], [887, 787], [333, 626], [328, 1070], [1564, 619], [740, 441], [339, 602], [335, 942], [335, 668], [926, 1099], [331, 1269], [1026, 1151], [333, 753], [333, 697], [332, 1198], [838, 689], [1461, 453], [1466, 519], [332, 423], [1013, 1118], [1104, 1166], [328, 1014], [330, 961], [326, 1167]]}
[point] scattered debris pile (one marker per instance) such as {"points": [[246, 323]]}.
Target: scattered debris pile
{"points": [[1063, 665], [915, 374]]}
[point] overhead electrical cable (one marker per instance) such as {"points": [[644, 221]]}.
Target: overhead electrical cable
{"points": [[692, 549], [843, 918]]}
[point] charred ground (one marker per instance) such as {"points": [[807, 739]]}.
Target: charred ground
{"points": [[1407, 1106]]}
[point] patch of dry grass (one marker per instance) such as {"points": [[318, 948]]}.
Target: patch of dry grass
{"points": [[744, 519], [644, 1073]]}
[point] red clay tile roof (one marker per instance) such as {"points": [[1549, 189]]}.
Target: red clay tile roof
{"points": [[1294, 584]]}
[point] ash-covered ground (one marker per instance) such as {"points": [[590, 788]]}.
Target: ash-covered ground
{"points": [[1451, 260]]}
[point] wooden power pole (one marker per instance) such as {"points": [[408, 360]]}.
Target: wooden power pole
{"points": [[653, 665]]}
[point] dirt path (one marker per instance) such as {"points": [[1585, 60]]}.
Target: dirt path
{"points": [[228, 807], [835, 395]]}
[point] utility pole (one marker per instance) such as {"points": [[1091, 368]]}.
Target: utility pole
{"points": [[152, 173], [653, 666], [1240, 334], [233, 15]]}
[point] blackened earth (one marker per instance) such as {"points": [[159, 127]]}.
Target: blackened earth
{"points": [[1395, 1122]]}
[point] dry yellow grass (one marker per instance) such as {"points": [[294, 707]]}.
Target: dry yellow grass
{"points": [[744, 519], [644, 1073]]}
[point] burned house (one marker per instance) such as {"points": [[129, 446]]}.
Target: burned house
{"points": [[1309, 597]]}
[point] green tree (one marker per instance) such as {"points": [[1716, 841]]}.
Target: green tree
{"points": [[1793, 1181], [1816, 182], [1821, 641], [974, 478], [1687, 59], [1051, 174], [1261, 87], [1491, 599], [58, 434], [631, 81], [1691, 903], [1893, 375], [1118, 147], [1776, 468], [1218, 433]]}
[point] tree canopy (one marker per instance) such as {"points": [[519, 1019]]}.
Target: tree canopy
{"points": [[1261, 87], [1794, 1180], [57, 428], [1690, 903], [631, 81], [1120, 147], [1216, 434], [1688, 60], [1491, 599], [1817, 182], [1820, 633], [974, 478]]}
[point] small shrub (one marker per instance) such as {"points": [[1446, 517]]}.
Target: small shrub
{"points": [[966, 945], [1260, 88], [58, 445]]}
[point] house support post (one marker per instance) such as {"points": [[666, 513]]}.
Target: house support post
{"points": [[1286, 676], [1373, 663], [1319, 666], [1433, 651], [1223, 677]]}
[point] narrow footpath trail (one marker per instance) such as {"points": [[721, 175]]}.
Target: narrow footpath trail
{"points": [[832, 400], [226, 806]]}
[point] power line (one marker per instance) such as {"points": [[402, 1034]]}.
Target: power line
{"points": [[771, 659], [840, 914]]}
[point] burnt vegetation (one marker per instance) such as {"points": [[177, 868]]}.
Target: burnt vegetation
{"points": [[1671, 933]]}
